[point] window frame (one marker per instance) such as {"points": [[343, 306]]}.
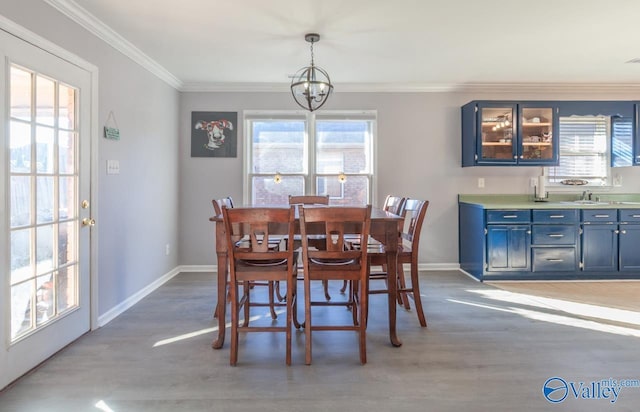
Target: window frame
{"points": [[309, 173]]}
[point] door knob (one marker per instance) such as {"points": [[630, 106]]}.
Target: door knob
{"points": [[88, 222]]}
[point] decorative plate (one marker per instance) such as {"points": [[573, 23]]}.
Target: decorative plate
{"points": [[574, 182]]}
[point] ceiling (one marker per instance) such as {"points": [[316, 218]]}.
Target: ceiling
{"points": [[373, 44]]}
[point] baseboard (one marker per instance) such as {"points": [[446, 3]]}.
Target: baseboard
{"points": [[136, 297]]}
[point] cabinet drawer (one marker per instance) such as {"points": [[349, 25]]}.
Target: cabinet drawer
{"points": [[556, 216], [554, 234], [629, 215], [508, 216], [554, 259], [599, 215]]}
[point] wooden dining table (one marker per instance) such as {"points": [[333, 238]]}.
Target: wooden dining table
{"points": [[385, 228]]}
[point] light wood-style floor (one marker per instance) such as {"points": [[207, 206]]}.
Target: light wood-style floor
{"points": [[618, 294], [486, 348]]}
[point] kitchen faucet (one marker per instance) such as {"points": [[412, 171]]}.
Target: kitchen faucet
{"points": [[586, 195]]}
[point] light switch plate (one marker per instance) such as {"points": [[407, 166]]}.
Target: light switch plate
{"points": [[113, 167]]}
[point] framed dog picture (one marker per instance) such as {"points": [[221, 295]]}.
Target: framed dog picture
{"points": [[214, 134]]}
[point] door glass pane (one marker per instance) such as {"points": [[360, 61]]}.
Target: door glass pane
{"points": [[537, 133], [67, 108], [44, 248], [20, 94], [66, 243], [40, 288], [21, 308], [21, 255], [267, 192], [20, 147], [497, 133], [44, 150], [67, 194], [44, 298], [66, 150], [66, 288], [45, 100], [45, 199], [20, 200]]}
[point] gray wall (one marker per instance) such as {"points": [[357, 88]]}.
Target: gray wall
{"points": [[138, 209], [419, 151]]}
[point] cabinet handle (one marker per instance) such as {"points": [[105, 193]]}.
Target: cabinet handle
{"points": [[616, 231], [555, 260], [623, 231], [635, 216], [556, 216], [601, 216], [509, 216], [515, 157], [556, 235]]}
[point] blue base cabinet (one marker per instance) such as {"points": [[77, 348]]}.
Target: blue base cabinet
{"points": [[547, 244]]}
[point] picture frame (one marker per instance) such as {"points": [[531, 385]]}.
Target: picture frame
{"points": [[214, 134]]}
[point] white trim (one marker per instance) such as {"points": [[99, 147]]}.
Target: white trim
{"points": [[136, 297], [36, 40], [464, 272], [30, 37], [94, 25], [587, 88]]}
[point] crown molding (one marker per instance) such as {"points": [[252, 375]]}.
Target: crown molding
{"points": [[87, 20], [549, 87], [423, 88], [339, 87]]}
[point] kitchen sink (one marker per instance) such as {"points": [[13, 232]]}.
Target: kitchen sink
{"points": [[584, 202]]}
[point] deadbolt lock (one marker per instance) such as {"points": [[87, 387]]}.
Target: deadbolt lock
{"points": [[85, 204], [88, 222]]}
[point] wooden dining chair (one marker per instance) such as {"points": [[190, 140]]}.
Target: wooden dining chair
{"points": [[414, 212], [314, 241], [218, 204], [308, 200], [252, 259], [336, 260]]}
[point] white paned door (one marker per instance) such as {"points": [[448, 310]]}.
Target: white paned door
{"points": [[46, 206]]}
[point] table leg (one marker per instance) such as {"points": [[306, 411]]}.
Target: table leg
{"points": [[221, 305]]}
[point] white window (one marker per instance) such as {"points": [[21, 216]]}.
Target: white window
{"points": [[296, 153], [584, 153]]}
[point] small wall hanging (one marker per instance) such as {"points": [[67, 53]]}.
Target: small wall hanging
{"points": [[112, 133], [214, 134]]}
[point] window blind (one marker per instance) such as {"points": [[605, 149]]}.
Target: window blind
{"points": [[583, 150]]}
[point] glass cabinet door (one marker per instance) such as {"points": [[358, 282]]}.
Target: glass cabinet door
{"points": [[497, 128], [538, 140]]}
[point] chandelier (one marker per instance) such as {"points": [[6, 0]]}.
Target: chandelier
{"points": [[311, 85]]}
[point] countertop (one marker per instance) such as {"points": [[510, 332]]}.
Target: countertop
{"points": [[555, 201]]}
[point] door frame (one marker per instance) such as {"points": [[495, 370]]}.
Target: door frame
{"points": [[36, 40]]}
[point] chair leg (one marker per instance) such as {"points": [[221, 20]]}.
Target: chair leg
{"points": [[325, 285], [415, 286], [344, 287], [272, 308], [247, 302], [307, 321], [278, 293], [234, 325], [364, 304], [291, 306], [403, 299]]}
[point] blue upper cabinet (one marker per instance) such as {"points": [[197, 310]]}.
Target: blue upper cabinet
{"points": [[509, 133]]}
